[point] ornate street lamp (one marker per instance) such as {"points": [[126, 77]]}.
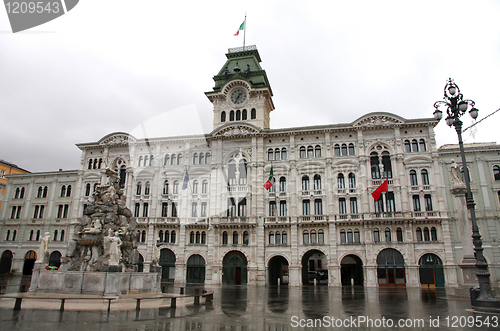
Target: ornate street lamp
{"points": [[455, 107]]}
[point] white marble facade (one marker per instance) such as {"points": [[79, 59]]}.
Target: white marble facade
{"points": [[225, 227]]}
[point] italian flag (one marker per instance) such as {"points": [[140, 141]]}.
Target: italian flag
{"points": [[268, 184], [242, 26], [382, 188]]}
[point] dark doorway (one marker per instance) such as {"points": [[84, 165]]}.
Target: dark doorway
{"points": [[314, 266], [6, 262], [55, 259], [29, 263], [351, 270], [391, 268], [195, 269], [140, 263], [431, 271], [167, 264], [278, 270], [234, 268]]}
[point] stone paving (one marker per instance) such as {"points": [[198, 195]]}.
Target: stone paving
{"points": [[263, 308]]}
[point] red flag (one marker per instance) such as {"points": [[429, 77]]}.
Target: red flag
{"points": [[268, 184], [382, 188]]}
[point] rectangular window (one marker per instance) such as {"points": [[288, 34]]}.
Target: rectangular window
{"points": [[203, 209], [379, 204], [174, 209], [59, 211], [390, 204], [282, 208], [318, 207], [164, 209], [194, 209], [145, 208], [342, 206], [242, 208], [416, 203], [272, 208], [354, 205], [231, 207], [65, 211], [136, 210], [306, 207], [428, 202]]}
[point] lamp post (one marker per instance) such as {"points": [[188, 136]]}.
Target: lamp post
{"points": [[455, 107]]}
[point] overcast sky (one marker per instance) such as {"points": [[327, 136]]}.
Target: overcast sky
{"points": [[111, 65]]}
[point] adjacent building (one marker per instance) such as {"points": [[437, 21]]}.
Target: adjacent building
{"points": [[7, 168], [204, 214]]}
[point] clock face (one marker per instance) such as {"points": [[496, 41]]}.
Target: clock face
{"points": [[238, 96]]}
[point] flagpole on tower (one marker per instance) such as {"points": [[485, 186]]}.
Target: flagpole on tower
{"points": [[244, 31]]}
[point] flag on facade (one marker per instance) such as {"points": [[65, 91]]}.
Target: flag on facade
{"points": [[382, 188], [268, 184], [242, 26], [185, 181]]}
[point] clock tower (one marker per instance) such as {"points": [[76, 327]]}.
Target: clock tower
{"points": [[242, 93]]}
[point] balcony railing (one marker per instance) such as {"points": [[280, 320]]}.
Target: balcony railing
{"points": [[280, 219], [237, 188]]}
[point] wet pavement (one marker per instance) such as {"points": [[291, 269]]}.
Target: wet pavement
{"points": [[276, 308]]}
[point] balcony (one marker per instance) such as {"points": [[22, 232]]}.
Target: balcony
{"points": [[344, 217], [425, 214], [237, 188], [233, 219], [314, 218], [280, 219]]}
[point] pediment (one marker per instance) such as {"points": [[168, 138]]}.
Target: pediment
{"points": [[117, 138], [377, 120], [239, 129]]}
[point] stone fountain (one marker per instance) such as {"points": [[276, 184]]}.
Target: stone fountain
{"points": [[102, 255]]}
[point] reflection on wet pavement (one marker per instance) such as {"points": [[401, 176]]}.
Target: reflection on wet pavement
{"points": [[264, 308]]}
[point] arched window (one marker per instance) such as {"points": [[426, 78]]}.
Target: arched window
{"points": [[174, 159], [277, 154], [271, 238], [198, 237], [203, 237], [414, 145], [195, 187], [224, 238], [283, 153], [31, 235], [191, 237], [344, 149], [305, 183], [253, 114], [343, 239], [160, 236], [95, 164], [425, 177], [68, 191], [310, 152], [305, 237], [317, 151], [244, 114], [87, 189], [399, 234], [351, 149], [40, 191], [45, 189], [282, 184], [55, 235], [151, 160], [419, 234], [90, 164], [8, 236], [238, 115], [143, 236], [427, 236], [376, 235], [147, 188], [374, 163], [63, 191], [62, 235], [146, 160], [321, 237], [407, 146], [166, 160], [434, 236], [413, 178], [302, 152], [202, 158], [165, 187], [195, 158], [14, 234], [340, 181], [207, 158], [204, 187], [139, 188], [356, 236], [172, 237], [352, 180], [245, 233], [313, 237], [223, 116], [175, 188], [496, 172], [423, 148], [317, 182], [231, 115], [166, 238], [270, 154], [284, 238], [179, 158], [386, 161], [349, 236], [337, 150], [235, 237]]}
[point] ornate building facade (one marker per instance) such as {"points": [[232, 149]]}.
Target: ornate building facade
{"points": [[204, 215]]}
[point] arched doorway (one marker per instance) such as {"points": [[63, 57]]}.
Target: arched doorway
{"points": [[234, 268], [195, 269], [6, 262], [391, 268], [351, 270], [278, 269], [314, 266], [431, 271], [55, 259], [140, 263], [167, 264], [29, 263]]}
